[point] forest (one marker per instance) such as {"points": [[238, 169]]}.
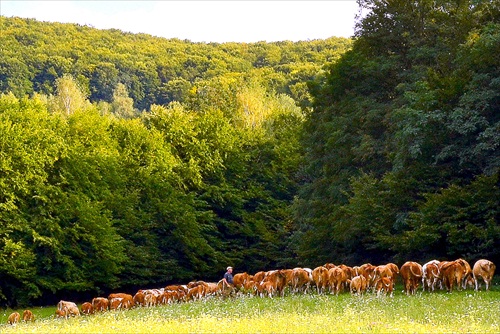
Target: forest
{"points": [[132, 161]]}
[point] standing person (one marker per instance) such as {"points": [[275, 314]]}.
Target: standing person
{"points": [[228, 276]]}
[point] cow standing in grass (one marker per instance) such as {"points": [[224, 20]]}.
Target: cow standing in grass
{"points": [[484, 270], [28, 316], [14, 318], [87, 308], [411, 273], [67, 308]]}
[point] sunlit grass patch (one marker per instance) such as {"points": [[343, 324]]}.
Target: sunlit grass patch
{"points": [[468, 311]]}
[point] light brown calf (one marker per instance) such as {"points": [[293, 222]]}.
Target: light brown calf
{"points": [[28, 316], [87, 308], [358, 285], [483, 269], [14, 318], [384, 285]]}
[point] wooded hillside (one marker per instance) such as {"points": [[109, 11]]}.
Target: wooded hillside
{"points": [[133, 161]]}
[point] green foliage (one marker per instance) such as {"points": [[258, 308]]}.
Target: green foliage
{"points": [[404, 130], [154, 70], [69, 96], [122, 105], [141, 161], [457, 221], [95, 202]]}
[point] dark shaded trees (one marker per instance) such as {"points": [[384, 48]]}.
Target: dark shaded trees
{"points": [[405, 124]]}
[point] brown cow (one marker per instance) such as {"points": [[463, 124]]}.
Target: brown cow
{"points": [[266, 288], [483, 269], [175, 287], [150, 300], [394, 268], [349, 272], [139, 298], [61, 314], [115, 303], [168, 297], [358, 284], [259, 276], [452, 272], [100, 304], [329, 265], [250, 287], [87, 308], [28, 316], [279, 280], [211, 289], [367, 271], [336, 278], [320, 278], [196, 293], [301, 280], [126, 300], [411, 273], [14, 318], [468, 272], [384, 270], [179, 292], [430, 275], [240, 279], [289, 277]]}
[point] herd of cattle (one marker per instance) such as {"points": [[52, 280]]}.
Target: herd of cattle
{"points": [[328, 278]]}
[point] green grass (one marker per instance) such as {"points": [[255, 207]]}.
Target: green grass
{"points": [[464, 311]]}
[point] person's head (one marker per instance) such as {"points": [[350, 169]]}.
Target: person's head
{"points": [[230, 269]]}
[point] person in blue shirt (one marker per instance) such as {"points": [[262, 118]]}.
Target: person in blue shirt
{"points": [[228, 276]]}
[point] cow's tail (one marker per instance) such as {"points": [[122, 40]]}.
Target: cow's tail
{"points": [[433, 272], [413, 273], [486, 266]]}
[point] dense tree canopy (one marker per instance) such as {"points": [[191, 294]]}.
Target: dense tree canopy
{"points": [[153, 70], [403, 144]]}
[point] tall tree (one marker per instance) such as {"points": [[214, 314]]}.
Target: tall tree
{"points": [[122, 105], [69, 96]]}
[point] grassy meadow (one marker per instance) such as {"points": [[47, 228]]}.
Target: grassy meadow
{"points": [[441, 312]]}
